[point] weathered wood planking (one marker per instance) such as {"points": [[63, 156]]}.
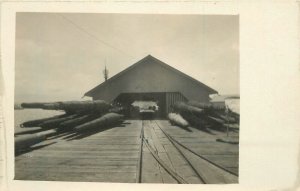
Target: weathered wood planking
{"points": [[79, 147], [205, 144], [126, 177], [150, 167], [107, 156], [174, 158], [82, 162], [161, 152], [75, 168], [111, 155], [210, 173]]}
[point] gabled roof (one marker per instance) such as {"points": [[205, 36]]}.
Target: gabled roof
{"points": [[149, 57]]}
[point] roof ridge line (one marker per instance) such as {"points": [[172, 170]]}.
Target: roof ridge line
{"points": [[141, 61]]}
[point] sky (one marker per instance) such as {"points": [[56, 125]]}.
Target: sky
{"points": [[60, 56]]}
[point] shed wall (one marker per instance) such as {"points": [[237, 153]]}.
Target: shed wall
{"points": [[152, 77], [171, 98]]}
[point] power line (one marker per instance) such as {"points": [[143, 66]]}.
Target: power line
{"points": [[91, 35]]}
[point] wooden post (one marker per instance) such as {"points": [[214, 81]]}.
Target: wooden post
{"points": [[227, 120]]}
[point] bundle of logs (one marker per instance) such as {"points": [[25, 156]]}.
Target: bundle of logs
{"points": [[79, 116], [202, 115]]}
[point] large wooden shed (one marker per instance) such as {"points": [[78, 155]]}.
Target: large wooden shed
{"points": [[151, 79]]}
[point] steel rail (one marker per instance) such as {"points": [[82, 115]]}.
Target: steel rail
{"points": [[202, 157], [186, 159], [140, 161], [178, 178]]}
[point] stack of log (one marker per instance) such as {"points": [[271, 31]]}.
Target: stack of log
{"points": [[202, 115], [79, 116]]}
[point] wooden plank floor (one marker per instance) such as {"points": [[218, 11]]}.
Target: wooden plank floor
{"points": [[112, 154], [205, 144], [107, 156]]}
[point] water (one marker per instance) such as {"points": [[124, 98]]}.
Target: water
{"points": [[24, 115]]}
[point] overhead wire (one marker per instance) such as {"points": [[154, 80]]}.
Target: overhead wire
{"points": [[80, 28]]}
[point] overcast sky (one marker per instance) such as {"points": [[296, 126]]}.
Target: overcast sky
{"points": [[62, 56]]}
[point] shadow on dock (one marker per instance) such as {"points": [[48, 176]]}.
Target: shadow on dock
{"points": [[30, 131], [67, 134], [76, 135], [184, 128], [27, 150]]}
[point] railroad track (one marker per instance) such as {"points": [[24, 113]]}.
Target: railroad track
{"points": [[197, 173]]}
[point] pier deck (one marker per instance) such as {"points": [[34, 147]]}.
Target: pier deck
{"points": [[113, 155]]}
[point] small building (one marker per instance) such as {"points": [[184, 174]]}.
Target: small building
{"points": [[220, 100], [151, 80]]}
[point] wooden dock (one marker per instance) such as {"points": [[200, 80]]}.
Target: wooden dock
{"points": [[113, 155]]}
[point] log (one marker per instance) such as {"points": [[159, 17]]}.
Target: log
{"points": [[226, 118], [53, 123], [194, 120], [117, 109], [34, 105], [208, 106], [72, 106], [38, 122], [235, 115], [177, 119], [200, 105], [78, 121], [182, 107], [52, 106], [97, 105], [25, 141], [105, 120], [216, 120], [223, 116]]}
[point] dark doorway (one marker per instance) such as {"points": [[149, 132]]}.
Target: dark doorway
{"points": [[133, 103]]}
